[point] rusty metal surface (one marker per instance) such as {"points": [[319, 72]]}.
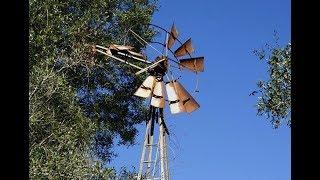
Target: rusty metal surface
{"points": [[173, 36], [185, 48], [188, 101], [195, 64]]}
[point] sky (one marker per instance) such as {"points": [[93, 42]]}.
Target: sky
{"points": [[224, 139]]}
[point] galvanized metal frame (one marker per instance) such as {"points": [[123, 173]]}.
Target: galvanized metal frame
{"points": [[148, 157]]}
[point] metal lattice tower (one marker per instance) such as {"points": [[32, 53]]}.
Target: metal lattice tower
{"points": [[154, 156]]}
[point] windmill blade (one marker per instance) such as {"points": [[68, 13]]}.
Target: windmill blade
{"points": [[188, 101], [185, 48], [157, 99], [193, 64], [173, 36], [176, 106], [146, 88]]}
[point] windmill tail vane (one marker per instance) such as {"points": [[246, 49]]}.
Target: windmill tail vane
{"points": [[159, 91]]}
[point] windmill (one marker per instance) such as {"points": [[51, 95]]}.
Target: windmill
{"points": [[158, 91]]}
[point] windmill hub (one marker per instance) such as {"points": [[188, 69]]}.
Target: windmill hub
{"points": [[161, 68]]}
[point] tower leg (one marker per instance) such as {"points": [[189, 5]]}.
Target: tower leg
{"points": [[166, 157], [146, 137], [148, 166], [150, 145], [163, 151]]}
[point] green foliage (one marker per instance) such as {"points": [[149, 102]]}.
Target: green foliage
{"points": [[75, 94], [275, 99]]}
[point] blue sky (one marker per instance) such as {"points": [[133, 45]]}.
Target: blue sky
{"points": [[224, 139]]}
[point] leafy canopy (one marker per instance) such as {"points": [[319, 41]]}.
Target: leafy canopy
{"points": [[275, 99], [79, 102]]}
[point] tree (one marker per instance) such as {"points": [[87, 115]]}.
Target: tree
{"points": [[79, 101], [275, 99]]}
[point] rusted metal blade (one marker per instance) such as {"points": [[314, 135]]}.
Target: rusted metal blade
{"points": [[185, 48], [194, 64], [173, 36], [175, 104], [188, 101]]}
